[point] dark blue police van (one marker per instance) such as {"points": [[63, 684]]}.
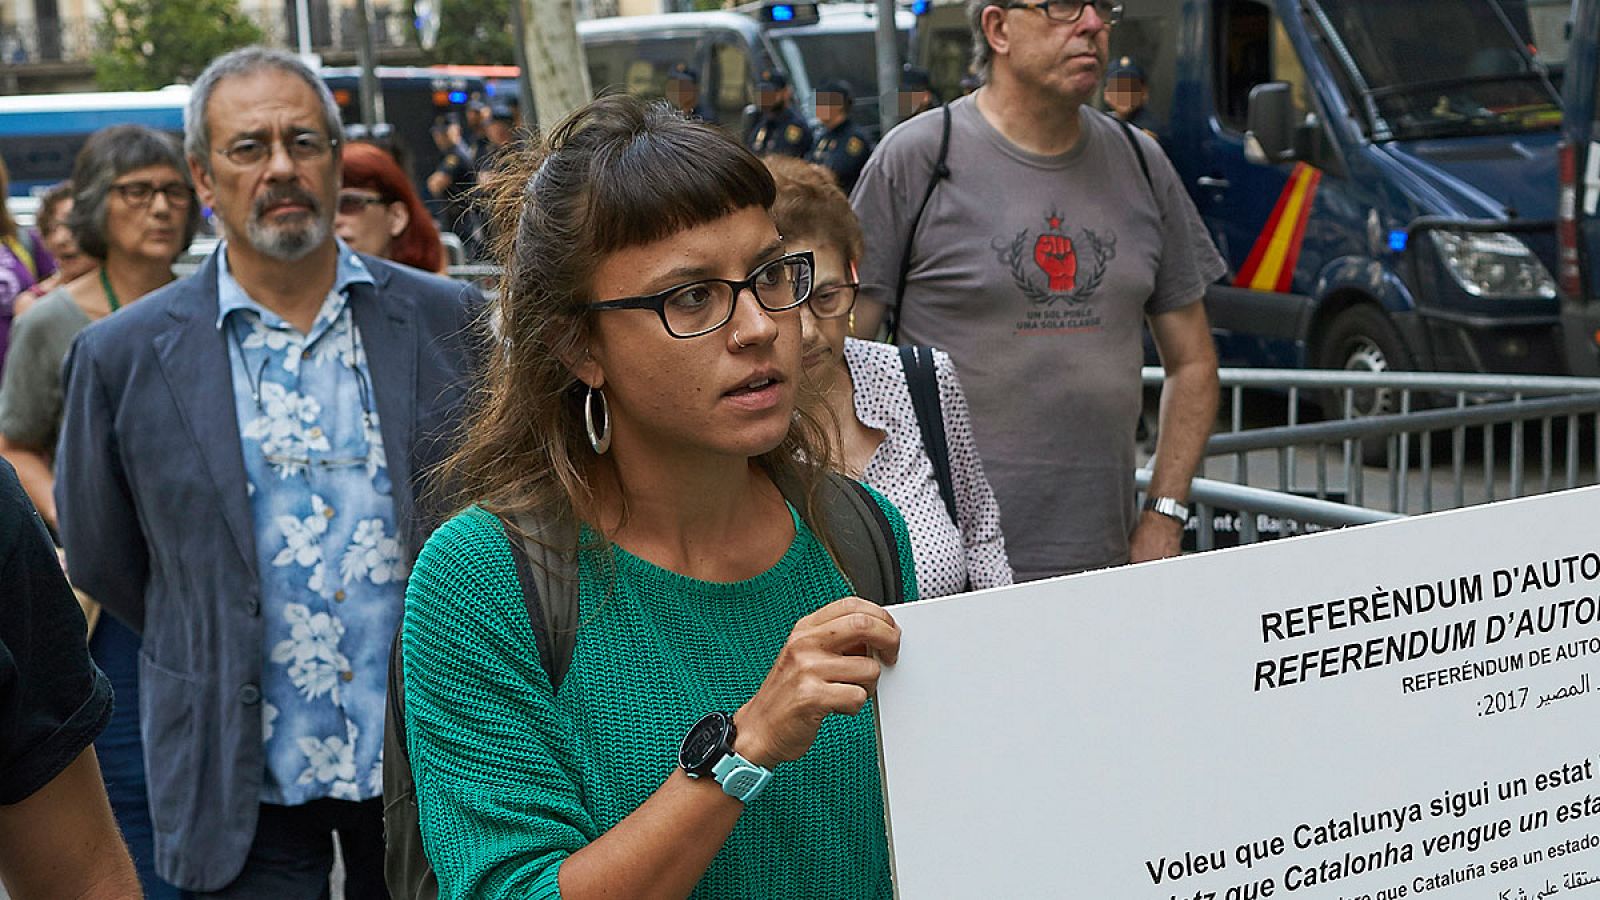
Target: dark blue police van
{"points": [[1379, 176], [1578, 223]]}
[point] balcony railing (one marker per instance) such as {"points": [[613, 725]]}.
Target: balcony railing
{"points": [[332, 29]]}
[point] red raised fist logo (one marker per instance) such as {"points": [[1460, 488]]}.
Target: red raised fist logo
{"points": [[1054, 255]]}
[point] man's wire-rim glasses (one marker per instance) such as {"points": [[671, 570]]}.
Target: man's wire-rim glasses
{"points": [[701, 307], [302, 146], [1068, 11]]}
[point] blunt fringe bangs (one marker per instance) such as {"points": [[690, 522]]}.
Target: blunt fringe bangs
{"points": [[659, 175]]}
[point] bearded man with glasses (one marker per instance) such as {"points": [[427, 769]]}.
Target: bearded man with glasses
{"points": [[1032, 237], [239, 478]]}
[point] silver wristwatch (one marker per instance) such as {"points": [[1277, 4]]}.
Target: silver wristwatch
{"points": [[1169, 507]]}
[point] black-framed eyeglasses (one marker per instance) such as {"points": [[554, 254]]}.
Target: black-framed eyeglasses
{"points": [[354, 204], [701, 307], [833, 301], [1068, 11], [303, 146], [138, 194]]}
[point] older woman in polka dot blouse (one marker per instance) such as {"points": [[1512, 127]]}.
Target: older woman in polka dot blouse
{"points": [[879, 440]]}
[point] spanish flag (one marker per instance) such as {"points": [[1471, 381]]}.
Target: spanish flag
{"points": [[1277, 249]]}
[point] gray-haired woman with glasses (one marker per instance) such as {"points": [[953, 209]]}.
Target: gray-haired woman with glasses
{"points": [[707, 735], [878, 438]]}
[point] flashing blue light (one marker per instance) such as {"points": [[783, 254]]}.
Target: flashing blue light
{"points": [[921, 7], [783, 13], [1397, 241], [458, 96]]}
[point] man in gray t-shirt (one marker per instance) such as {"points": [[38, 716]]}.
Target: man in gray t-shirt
{"points": [[1035, 265]]}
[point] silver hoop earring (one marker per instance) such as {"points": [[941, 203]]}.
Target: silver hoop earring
{"points": [[741, 344], [599, 440]]}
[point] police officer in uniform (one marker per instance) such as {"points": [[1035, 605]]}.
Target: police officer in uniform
{"points": [[1126, 94], [450, 185], [777, 127], [915, 93], [683, 92], [843, 147]]}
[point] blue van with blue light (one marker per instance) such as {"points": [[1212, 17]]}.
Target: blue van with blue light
{"points": [[1578, 223], [1379, 176]]}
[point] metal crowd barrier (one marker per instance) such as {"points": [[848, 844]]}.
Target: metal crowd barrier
{"points": [[1457, 440]]}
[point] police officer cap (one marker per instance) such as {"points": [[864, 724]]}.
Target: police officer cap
{"points": [[837, 86], [1126, 68], [684, 72], [915, 78], [772, 81], [503, 112]]}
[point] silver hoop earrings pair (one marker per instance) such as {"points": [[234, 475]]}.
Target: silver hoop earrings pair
{"points": [[599, 438], [741, 344]]}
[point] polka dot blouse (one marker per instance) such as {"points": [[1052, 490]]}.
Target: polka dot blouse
{"points": [[950, 557]]}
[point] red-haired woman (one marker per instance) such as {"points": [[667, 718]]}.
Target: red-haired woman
{"points": [[380, 213]]}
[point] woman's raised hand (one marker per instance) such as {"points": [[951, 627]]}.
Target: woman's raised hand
{"points": [[830, 664]]}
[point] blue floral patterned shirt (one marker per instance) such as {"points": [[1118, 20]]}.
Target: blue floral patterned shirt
{"points": [[332, 573]]}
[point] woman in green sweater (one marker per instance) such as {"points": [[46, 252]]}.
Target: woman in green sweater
{"points": [[645, 385]]}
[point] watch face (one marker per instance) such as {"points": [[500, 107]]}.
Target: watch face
{"points": [[704, 742]]}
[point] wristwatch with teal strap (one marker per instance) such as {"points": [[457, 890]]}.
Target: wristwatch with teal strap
{"points": [[707, 752]]}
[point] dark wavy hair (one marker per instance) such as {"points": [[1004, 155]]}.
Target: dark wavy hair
{"points": [[373, 168], [617, 173], [811, 204], [106, 156]]}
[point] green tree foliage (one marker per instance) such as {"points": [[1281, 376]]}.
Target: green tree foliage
{"points": [[474, 32], [148, 44]]}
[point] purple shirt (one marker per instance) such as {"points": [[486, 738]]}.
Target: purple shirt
{"points": [[17, 275]]}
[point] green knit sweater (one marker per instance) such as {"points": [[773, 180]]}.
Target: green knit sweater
{"points": [[512, 779]]}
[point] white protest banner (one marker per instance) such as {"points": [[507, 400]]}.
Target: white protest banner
{"points": [[1409, 709]]}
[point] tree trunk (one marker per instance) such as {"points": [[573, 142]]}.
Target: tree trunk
{"points": [[556, 64]]}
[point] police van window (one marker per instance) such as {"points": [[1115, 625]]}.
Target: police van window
{"points": [[1253, 48], [817, 56], [732, 81], [639, 66], [1479, 81]]}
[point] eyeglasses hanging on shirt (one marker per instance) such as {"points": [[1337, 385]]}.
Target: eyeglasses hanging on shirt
{"points": [[303, 463]]}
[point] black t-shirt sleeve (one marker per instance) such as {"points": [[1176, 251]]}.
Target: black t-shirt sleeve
{"points": [[53, 699]]}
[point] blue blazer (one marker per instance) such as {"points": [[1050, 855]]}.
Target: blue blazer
{"points": [[155, 520]]}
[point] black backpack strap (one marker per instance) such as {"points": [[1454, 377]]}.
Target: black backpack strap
{"points": [[405, 863], [546, 557], [1138, 151], [940, 172], [923, 381], [531, 599], [863, 541]]}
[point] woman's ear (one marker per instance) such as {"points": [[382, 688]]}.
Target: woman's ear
{"points": [[583, 365], [399, 217]]}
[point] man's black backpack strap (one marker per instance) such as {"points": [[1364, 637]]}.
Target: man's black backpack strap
{"points": [[940, 172], [923, 380], [1138, 151]]}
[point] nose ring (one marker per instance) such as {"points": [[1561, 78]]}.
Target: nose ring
{"points": [[741, 344]]}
